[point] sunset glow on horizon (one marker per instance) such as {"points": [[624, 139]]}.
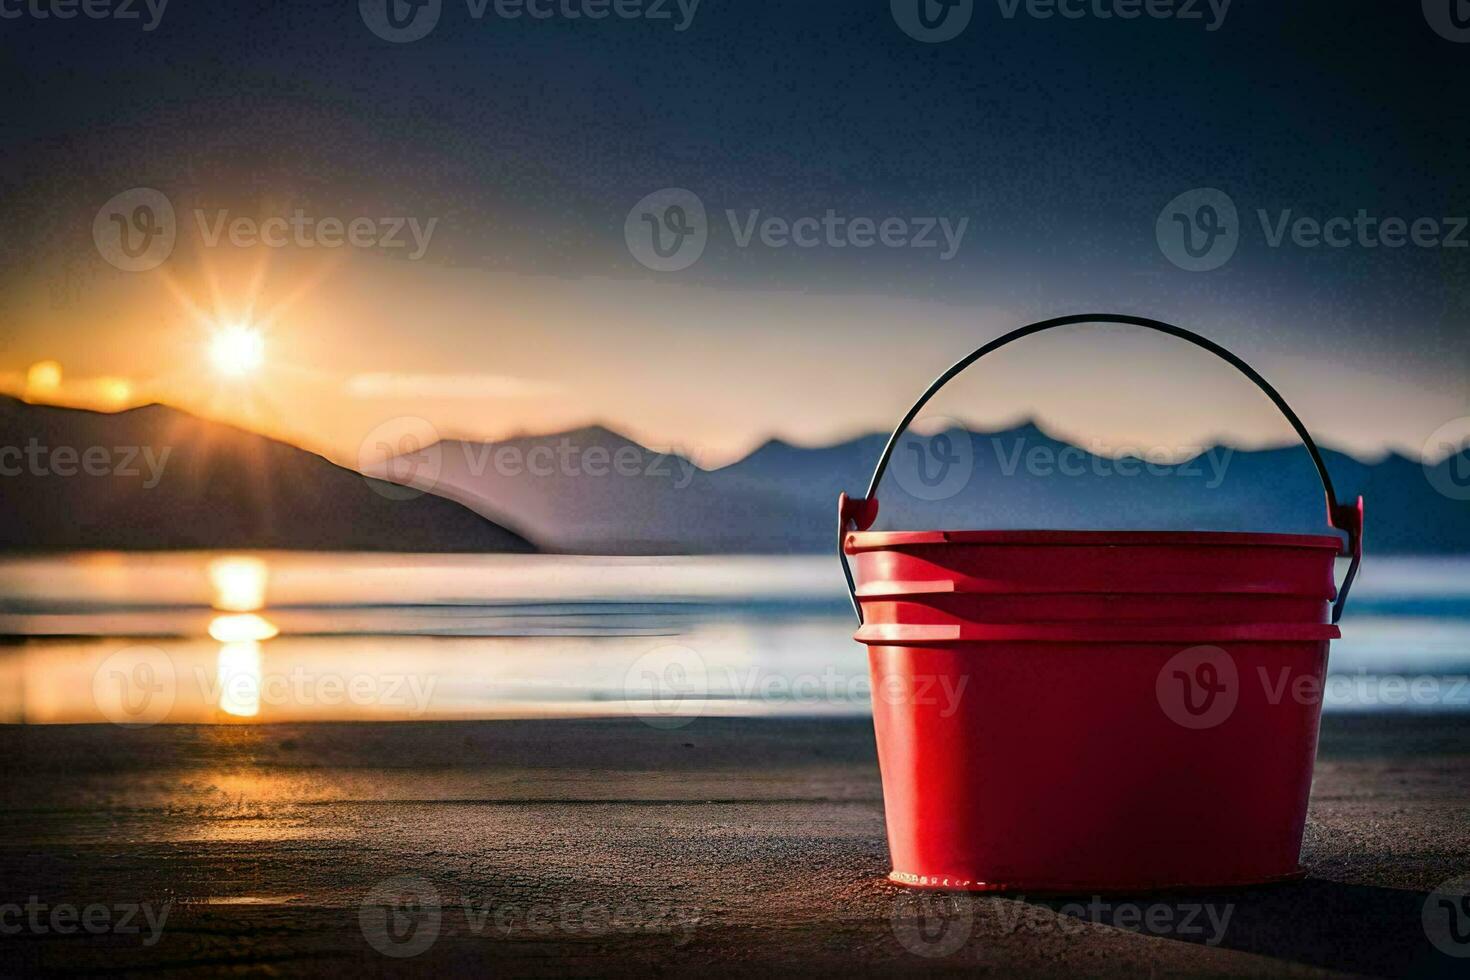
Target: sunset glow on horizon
{"points": [[322, 354]]}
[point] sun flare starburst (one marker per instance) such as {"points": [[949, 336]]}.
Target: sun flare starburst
{"points": [[237, 350]]}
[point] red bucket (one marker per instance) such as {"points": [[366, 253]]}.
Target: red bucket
{"points": [[1095, 710]]}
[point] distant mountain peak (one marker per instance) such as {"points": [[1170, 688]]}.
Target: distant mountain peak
{"points": [[1028, 425], [591, 434]]}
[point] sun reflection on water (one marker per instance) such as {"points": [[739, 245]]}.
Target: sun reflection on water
{"points": [[239, 583], [238, 675], [241, 628]]}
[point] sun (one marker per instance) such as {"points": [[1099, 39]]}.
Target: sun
{"points": [[237, 350]]}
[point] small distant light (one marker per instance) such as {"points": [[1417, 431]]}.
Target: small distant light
{"points": [[43, 377], [116, 391]]}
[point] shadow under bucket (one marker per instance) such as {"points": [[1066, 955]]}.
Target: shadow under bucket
{"points": [[1095, 710]]}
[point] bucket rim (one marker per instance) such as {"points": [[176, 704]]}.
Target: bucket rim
{"points": [[898, 589], [1092, 631], [857, 541]]}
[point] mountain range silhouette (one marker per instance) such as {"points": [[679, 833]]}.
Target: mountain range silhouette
{"points": [[594, 491], [782, 497]]}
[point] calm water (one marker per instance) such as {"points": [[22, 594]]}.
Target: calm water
{"points": [[212, 637]]}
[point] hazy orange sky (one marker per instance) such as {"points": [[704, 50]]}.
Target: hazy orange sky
{"points": [[353, 340]]}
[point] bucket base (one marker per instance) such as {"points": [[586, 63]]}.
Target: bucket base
{"points": [[959, 884]]}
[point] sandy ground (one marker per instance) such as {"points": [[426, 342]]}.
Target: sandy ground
{"points": [[611, 847]]}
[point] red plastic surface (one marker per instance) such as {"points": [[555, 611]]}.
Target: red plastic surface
{"points": [[1055, 767], [1020, 681]]}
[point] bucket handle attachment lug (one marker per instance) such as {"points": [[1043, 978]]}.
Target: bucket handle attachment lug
{"points": [[859, 513]]}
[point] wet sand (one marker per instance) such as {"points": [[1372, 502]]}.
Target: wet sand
{"points": [[612, 847]]}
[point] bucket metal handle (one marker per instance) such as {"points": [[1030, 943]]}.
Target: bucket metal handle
{"points": [[858, 514]]}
